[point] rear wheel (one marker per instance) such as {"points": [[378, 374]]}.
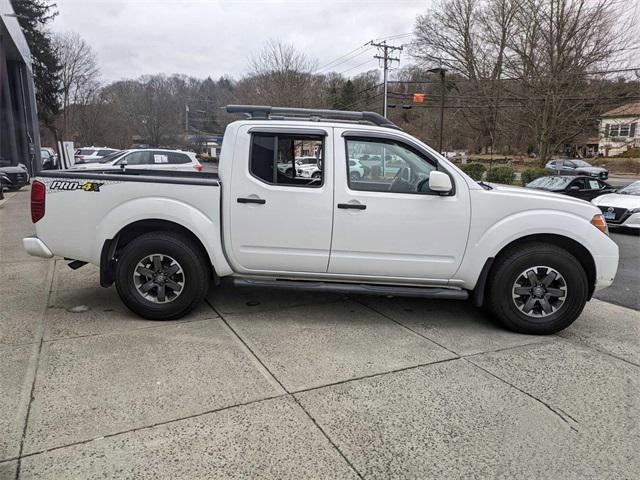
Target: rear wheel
{"points": [[162, 275], [537, 288], [355, 176]]}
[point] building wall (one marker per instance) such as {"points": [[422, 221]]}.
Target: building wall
{"points": [[19, 134], [611, 145]]}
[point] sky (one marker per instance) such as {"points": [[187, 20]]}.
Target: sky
{"points": [[216, 37]]}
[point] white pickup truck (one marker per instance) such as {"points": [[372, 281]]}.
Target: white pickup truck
{"points": [[424, 229]]}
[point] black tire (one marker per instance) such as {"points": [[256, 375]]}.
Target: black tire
{"points": [[316, 175], [195, 275], [507, 270], [355, 176]]}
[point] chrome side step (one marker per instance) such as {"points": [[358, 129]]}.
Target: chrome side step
{"points": [[356, 288]]}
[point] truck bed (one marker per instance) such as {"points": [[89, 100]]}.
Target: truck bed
{"points": [[91, 206]]}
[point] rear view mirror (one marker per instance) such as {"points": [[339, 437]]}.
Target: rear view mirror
{"points": [[439, 182]]}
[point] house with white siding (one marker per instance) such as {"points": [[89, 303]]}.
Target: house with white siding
{"points": [[619, 130]]}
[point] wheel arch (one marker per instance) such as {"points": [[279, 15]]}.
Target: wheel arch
{"points": [[111, 247], [576, 249]]}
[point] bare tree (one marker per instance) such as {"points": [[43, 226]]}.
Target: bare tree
{"points": [[527, 65], [469, 38], [557, 44], [79, 74], [281, 75]]}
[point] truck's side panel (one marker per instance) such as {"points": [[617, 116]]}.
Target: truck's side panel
{"points": [[497, 222], [91, 211]]}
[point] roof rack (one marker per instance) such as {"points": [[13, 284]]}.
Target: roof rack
{"points": [[263, 112]]}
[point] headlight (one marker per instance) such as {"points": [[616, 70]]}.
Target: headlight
{"points": [[599, 222]]}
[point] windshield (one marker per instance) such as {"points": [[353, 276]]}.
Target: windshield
{"points": [[633, 189], [549, 183], [114, 156]]}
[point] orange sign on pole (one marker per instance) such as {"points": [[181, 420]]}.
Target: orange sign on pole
{"points": [[418, 97]]}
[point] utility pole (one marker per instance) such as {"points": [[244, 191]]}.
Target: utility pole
{"points": [[386, 59], [441, 71]]}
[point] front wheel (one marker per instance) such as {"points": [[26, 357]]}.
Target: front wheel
{"points": [[162, 275], [537, 288]]}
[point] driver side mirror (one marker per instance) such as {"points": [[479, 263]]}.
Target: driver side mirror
{"points": [[439, 182], [574, 187]]}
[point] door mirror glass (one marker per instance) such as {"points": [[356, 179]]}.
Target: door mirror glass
{"points": [[439, 182]]}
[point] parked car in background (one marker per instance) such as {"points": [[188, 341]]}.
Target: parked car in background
{"points": [[16, 176], [585, 188], [92, 154], [356, 169], [48, 159], [154, 159], [621, 209], [577, 167]]}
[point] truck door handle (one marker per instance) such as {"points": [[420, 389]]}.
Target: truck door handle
{"points": [[354, 206], [260, 201]]}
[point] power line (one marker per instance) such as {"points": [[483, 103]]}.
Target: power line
{"points": [[357, 66], [349, 59], [506, 79], [341, 57], [332, 62]]}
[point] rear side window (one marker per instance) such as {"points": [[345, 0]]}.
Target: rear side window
{"points": [[137, 158], [277, 159], [178, 158], [104, 153], [86, 151]]}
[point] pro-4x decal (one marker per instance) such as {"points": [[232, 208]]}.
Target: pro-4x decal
{"points": [[73, 185]]}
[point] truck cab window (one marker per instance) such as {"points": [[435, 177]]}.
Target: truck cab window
{"points": [[285, 159], [381, 165]]}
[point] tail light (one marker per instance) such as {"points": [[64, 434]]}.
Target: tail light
{"points": [[198, 167], [37, 200]]}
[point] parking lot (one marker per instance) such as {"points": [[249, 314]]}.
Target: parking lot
{"points": [[272, 384]]}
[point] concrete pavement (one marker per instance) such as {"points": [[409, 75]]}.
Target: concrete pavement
{"points": [[273, 384]]}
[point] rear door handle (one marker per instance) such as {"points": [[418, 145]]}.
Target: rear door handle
{"points": [[354, 206], [259, 201]]}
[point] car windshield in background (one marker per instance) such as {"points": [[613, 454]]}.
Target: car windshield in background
{"points": [[549, 183], [110, 158], [633, 189]]}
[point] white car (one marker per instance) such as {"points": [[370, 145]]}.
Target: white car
{"points": [[429, 231], [621, 209], [356, 169], [92, 154], [147, 158]]}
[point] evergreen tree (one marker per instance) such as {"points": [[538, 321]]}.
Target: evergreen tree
{"points": [[33, 15], [348, 97]]}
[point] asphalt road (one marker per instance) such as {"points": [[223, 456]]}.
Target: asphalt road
{"points": [[625, 290]]}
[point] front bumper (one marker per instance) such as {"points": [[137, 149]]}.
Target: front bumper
{"points": [[36, 247], [606, 268], [633, 221]]}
